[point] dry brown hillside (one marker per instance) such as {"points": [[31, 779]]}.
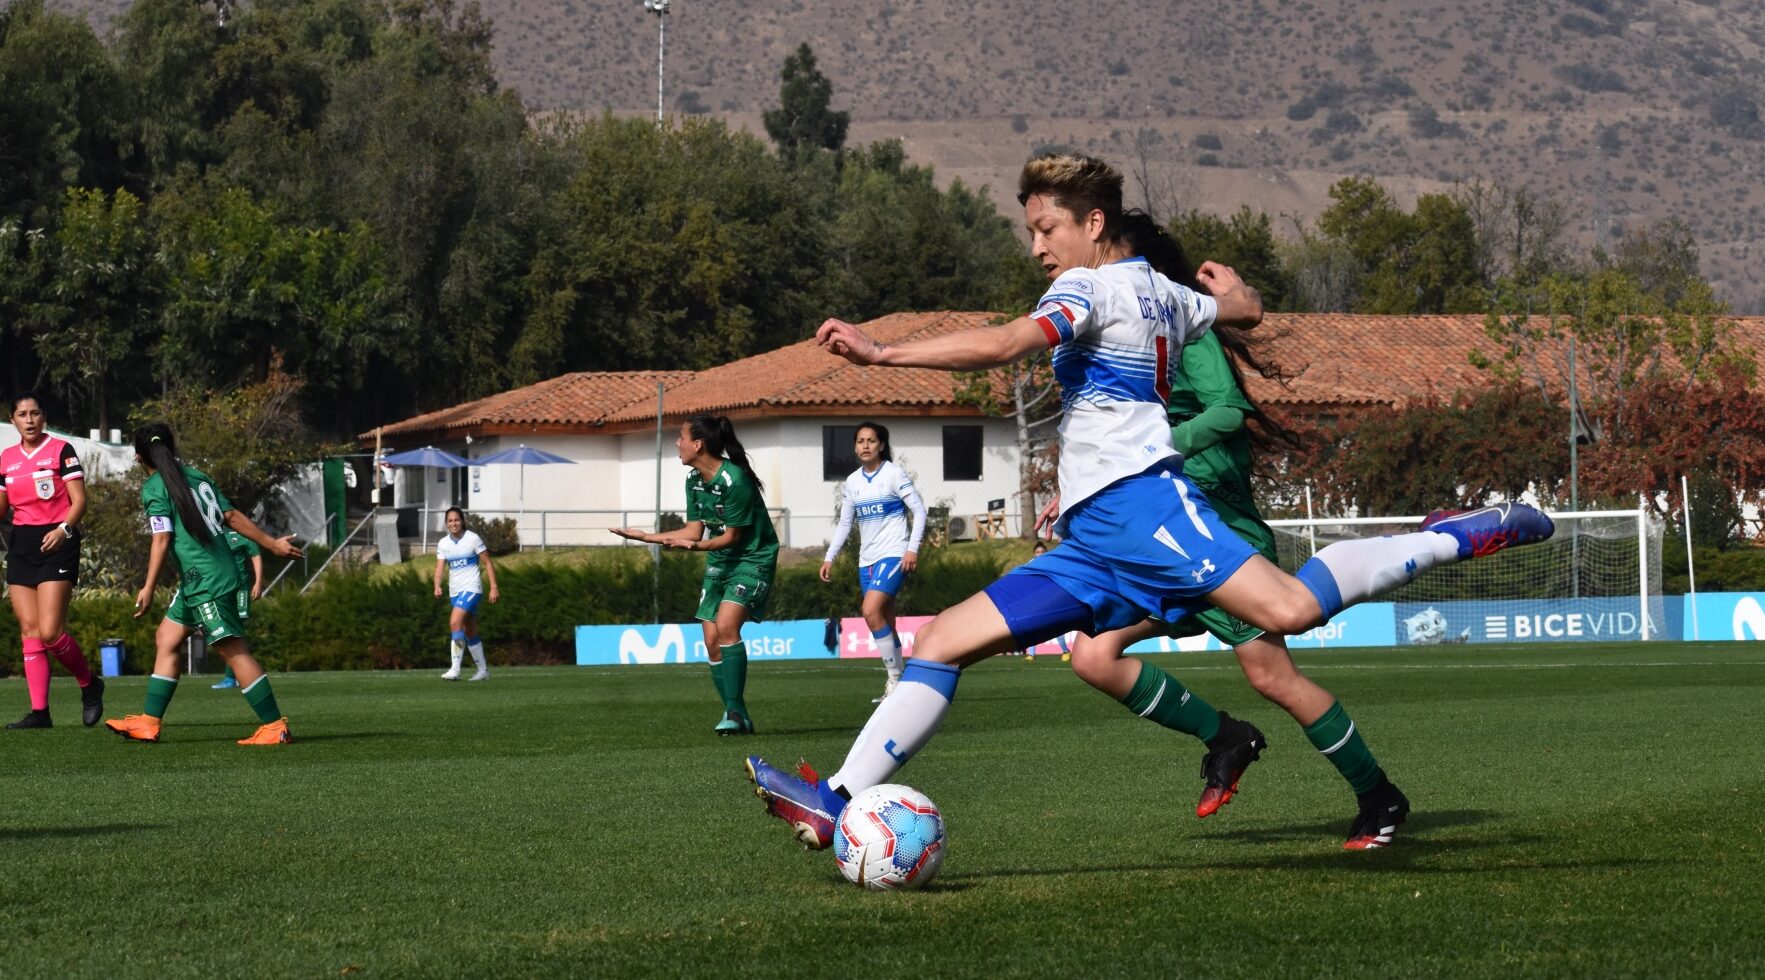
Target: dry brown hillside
{"points": [[1628, 110]]}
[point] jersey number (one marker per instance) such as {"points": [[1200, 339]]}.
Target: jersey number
{"points": [[210, 507]]}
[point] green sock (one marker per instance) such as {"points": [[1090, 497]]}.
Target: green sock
{"points": [[159, 694], [1335, 736], [1159, 697], [262, 700], [735, 675], [228, 676], [718, 679]]}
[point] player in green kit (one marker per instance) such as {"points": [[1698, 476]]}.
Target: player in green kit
{"points": [[188, 515], [724, 502], [249, 559], [1209, 413]]}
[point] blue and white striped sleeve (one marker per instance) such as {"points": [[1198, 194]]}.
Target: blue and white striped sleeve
{"points": [[1065, 310], [844, 527], [910, 497]]}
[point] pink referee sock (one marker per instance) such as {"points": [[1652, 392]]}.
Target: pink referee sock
{"points": [[36, 673], [67, 650]]}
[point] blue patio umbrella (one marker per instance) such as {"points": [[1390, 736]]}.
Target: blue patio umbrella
{"points": [[521, 456], [428, 458]]}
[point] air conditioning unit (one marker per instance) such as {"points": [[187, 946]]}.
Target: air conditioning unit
{"points": [[961, 528]]}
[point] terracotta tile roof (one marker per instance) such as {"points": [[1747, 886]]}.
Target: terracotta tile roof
{"points": [[1338, 360], [1351, 359], [802, 378], [582, 399]]}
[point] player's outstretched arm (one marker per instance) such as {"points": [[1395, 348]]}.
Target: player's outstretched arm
{"points": [[1239, 304], [693, 531], [282, 547], [965, 350]]}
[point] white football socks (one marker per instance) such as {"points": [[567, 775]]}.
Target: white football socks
{"points": [[899, 727]]}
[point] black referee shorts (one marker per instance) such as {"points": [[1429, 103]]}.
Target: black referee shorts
{"points": [[28, 565]]}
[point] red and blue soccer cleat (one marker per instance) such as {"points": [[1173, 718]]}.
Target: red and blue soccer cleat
{"points": [[1487, 530], [802, 800]]}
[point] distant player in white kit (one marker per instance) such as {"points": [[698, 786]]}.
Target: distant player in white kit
{"points": [[879, 495], [461, 553]]}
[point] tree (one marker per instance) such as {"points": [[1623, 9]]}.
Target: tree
{"points": [[1420, 262], [804, 123], [97, 286], [63, 110], [251, 439], [1245, 241]]}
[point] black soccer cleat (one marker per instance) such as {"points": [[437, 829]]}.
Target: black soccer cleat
{"points": [[92, 702], [1383, 810], [33, 719], [1238, 744]]}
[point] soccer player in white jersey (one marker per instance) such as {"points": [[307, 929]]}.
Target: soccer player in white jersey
{"points": [[460, 554], [879, 495], [1140, 538]]}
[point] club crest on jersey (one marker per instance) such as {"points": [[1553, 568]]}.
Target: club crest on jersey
{"points": [[741, 592]]}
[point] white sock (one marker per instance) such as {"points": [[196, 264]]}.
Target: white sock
{"points": [[899, 727], [889, 644], [1354, 571], [477, 648], [456, 650]]}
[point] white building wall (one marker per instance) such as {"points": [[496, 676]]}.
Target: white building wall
{"points": [[613, 480]]}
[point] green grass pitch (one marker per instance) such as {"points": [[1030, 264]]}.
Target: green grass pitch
{"points": [[1592, 811]]}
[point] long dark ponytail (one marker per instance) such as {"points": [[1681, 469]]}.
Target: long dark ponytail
{"points": [[718, 435], [1165, 254], [154, 443]]}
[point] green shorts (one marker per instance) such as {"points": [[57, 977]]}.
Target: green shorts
{"points": [[749, 587], [1239, 513], [218, 619]]}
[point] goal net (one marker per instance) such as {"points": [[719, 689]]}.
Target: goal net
{"points": [[1597, 579]]}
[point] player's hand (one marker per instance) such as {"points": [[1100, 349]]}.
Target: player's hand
{"points": [[494, 594], [827, 571], [1218, 278], [257, 592], [143, 599], [909, 562], [283, 547], [682, 544], [1050, 512], [849, 342], [53, 540], [631, 534], [438, 592]]}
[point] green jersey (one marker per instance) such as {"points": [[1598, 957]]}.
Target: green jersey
{"points": [[244, 550], [206, 572], [1205, 381], [728, 500]]}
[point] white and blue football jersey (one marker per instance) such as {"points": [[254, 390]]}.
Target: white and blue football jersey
{"points": [[461, 555], [880, 502], [1118, 334]]}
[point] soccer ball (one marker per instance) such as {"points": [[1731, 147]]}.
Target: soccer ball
{"points": [[889, 837]]}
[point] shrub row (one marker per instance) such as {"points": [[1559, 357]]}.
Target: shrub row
{"points": [[367, 618]]}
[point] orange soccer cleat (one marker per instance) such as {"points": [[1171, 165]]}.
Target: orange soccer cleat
{"points": [[139, 728], [274, 733]]}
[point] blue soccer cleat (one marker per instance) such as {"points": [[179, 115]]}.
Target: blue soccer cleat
{"points": [[1487, 530], [225, 684], [802, 800]]}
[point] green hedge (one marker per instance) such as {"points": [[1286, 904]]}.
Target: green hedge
{"points": [[389, 618]]}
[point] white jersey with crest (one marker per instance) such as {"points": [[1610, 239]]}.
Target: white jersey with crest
{"points": [[461, 555], [1118, 334], [879, 502]]}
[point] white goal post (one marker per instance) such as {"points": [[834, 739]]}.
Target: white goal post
{"points": [[1600, 562]]}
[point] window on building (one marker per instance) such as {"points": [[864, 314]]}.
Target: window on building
{"points": [[837, 458], [962, 452]]}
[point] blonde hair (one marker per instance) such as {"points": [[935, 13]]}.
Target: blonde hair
{"points": [[1077, 183]]}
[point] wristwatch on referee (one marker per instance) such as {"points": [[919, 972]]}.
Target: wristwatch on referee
{"points": [[68, 529]]}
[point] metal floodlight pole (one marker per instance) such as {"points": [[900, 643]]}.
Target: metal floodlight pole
{"points": [[660, 9]]}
